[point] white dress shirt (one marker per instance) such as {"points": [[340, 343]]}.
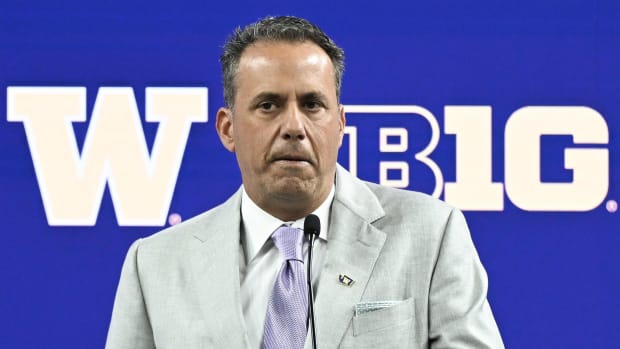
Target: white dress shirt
{"points": [[263, 261]]}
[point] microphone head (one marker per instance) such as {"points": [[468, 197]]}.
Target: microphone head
{"points": [[312, 225]]}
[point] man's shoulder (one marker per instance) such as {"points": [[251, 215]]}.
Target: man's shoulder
{"points": [[401, 200], [410, 210], [198, 228]]}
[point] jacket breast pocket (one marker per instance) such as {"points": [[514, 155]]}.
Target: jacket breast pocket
{"points": [[390, 327], [384, 318]]}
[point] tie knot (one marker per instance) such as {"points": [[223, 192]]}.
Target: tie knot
{"points": [[289, 242]]}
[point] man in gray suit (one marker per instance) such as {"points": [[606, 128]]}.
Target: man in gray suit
{"points": [[392, 268]]}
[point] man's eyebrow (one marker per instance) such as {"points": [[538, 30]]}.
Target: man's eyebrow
{"points": [[314, 95], [276, 97], [263, 96]]}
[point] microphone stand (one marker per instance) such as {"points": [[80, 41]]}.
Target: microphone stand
{"points": [[311, 238]]}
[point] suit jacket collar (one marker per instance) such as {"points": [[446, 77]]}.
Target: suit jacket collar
{"points": [[357, 197]]}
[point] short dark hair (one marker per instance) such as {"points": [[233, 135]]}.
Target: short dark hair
{"points": [[282, 28]]}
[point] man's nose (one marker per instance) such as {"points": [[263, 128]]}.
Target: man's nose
{"points": [[293, 123]]}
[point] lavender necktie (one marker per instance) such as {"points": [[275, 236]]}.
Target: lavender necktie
{"points": [[287, 310]]}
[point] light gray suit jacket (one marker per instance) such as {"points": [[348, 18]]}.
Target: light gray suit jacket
{"points": [[180, 288]]}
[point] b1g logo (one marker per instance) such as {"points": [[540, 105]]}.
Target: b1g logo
{"points": [[473, 188], [141, 185]]}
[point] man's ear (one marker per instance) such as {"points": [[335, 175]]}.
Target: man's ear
{"points": [[225, 129], [342, 123]]}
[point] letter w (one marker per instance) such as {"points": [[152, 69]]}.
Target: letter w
{"points": [[115, 150]]}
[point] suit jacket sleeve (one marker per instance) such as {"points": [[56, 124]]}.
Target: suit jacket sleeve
{"points": [[130, 327], [460, 316]]}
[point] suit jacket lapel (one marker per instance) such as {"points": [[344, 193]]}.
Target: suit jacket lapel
{"points": [[216, 275], [352, 249]]}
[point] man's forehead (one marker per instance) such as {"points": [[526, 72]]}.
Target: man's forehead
{"points": [[264, 53], [279, 67]]}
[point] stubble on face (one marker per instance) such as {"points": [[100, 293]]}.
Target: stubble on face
{"points": [[287, 126]]}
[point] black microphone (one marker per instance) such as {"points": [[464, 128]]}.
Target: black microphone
{"points": [[312, 228]]}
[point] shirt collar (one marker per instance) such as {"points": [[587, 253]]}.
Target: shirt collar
{"points": [[258, 225]]}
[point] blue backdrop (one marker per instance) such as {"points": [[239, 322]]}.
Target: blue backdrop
{"points": [[553, 272]]}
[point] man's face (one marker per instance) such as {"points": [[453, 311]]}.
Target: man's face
{"points": [[286, 126]]}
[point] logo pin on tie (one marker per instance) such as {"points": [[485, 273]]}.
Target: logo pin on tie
{"points": [[345, 280]]}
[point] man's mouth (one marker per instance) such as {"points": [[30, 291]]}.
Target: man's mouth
{"points": [[292, 159]]}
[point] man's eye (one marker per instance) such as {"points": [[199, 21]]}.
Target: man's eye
{"points": [[267, 106], [312, 105]]}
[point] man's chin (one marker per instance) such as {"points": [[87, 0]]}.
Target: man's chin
{"points": [[294, 188]]}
